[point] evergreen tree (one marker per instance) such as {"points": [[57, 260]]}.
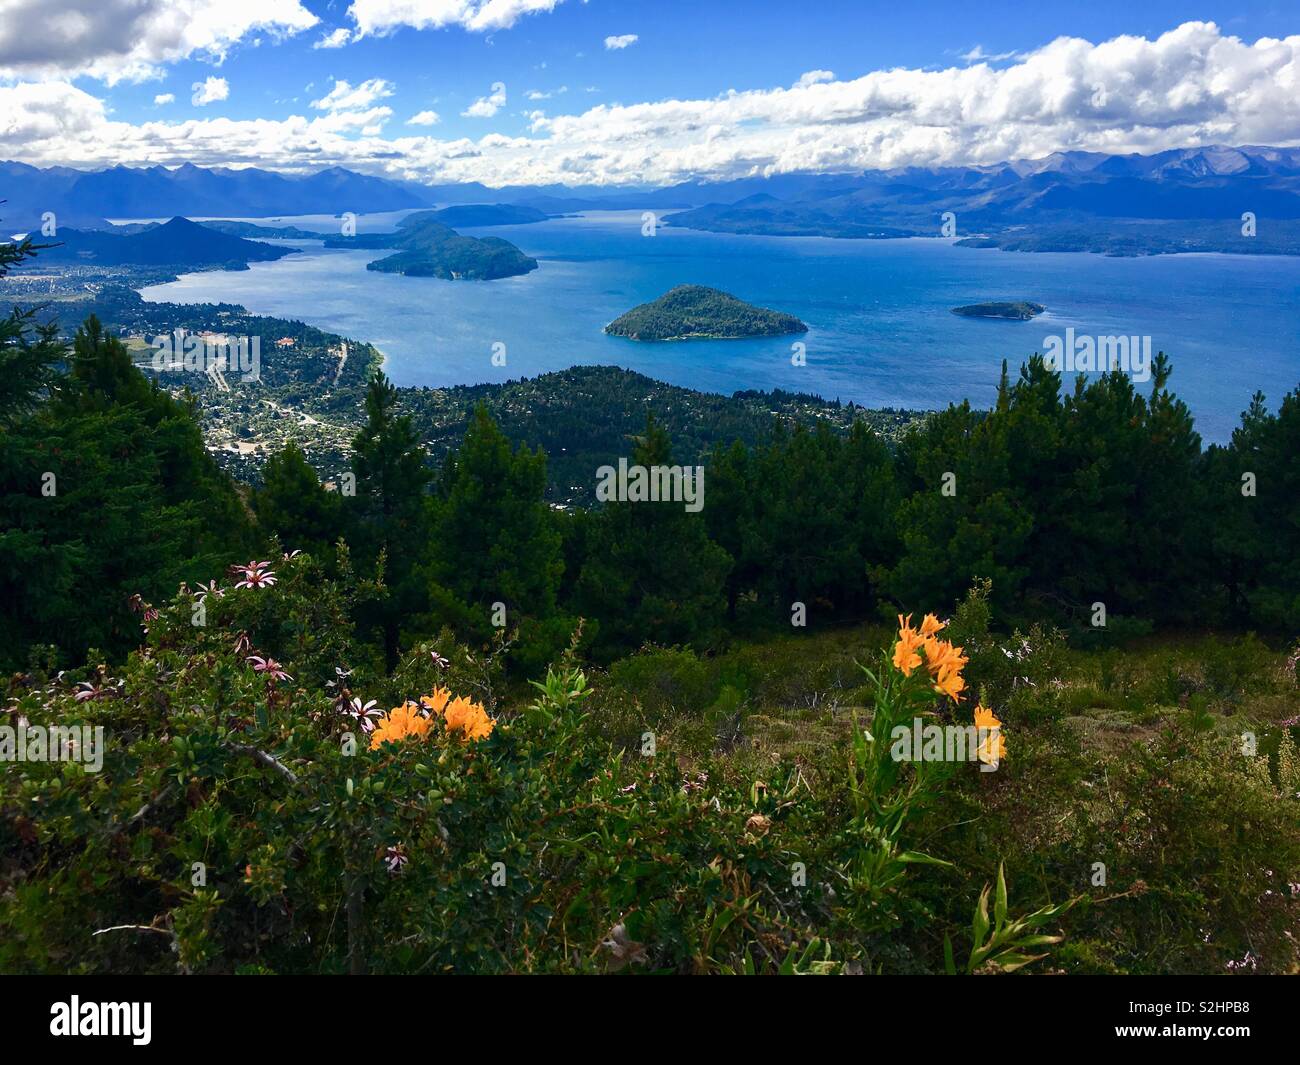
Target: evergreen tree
{"points": [[651, 572], [389, 515], [293, 505], [107, 492], [494, 539]]}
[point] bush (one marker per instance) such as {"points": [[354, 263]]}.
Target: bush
{"points": [[257, 811]]}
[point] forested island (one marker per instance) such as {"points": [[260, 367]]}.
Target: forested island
{"points": [[690, 312], [1015, 310], [486, 214], [424, 247]]}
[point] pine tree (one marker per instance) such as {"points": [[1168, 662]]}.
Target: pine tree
{"points": [[293, 505], [388, 518], [494, 539], [651, 572]]}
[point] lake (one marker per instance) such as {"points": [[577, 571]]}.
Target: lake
{"points": [[881, 332]]}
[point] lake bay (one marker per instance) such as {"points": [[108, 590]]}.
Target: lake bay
{"points": [[881, 332]]}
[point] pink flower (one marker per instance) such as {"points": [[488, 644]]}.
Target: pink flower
{"points": [[269, 666], [88, 691], [205, 590], [363, 712], [438, 660], [395, 858], [254, 575]]}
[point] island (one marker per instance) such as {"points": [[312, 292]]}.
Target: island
{"points": [[694, 312], [484, 214], [424, 247], [252, 231], [1015, 310]]}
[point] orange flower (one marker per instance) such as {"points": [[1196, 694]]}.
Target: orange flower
{"points": [[905, 657], [941, 655], [993, 745], [949, 682], [400, 723], [469, 718], [932, 625], [437, 701]]}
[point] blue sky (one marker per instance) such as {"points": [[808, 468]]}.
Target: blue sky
{"points": [[684, 48], [93, 82]]}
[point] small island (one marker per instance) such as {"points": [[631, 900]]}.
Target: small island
{"points": [[694, 312], [424, 247], [1018, 310], [483, 214]]}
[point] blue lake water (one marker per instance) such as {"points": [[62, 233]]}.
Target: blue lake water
{"points": [[881, 329]]}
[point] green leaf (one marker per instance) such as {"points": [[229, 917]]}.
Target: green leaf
{"points": [[1000, 904], [980, 922], [917, 858]]}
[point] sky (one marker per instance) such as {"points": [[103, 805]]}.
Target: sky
{"points": [[616, 92]]}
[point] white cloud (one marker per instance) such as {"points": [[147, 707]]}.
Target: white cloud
{"points": [[116, 40], [1192, 85], [379, 17], [209, 91], [978, 55], [537, 94], [816, 77], [335, 38], [344, 97], [615, 44], [424, 118], [487, 106], [164, 98]]}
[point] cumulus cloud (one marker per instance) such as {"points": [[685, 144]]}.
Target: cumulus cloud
{"points": [[816, 77], [164, 98], [537, 94], [379, 17], [335, 38], [209, 91], [617, 44], [424, 118], [116, 40], [1192, 85], [487, 106], [345, 97]]}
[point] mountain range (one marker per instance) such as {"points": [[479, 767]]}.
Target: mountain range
{"points": [[1182, 199], [87, 199]]}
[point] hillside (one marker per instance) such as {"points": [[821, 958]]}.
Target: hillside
{"points": [[690, 312], [179, 242]]}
